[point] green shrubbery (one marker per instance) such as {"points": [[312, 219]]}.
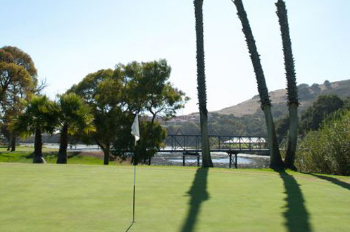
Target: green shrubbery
{"points": [[328, 149]]}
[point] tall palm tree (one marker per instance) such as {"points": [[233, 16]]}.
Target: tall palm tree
{"points": [[292, 90], [275, 156], [201, 86], [40, 115], [74, 116]]}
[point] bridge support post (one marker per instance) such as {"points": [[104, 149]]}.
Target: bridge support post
{"points": [[231, 160], [236, 160]]}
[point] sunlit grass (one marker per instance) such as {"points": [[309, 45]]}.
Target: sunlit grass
{"points": [[50, 197], [24, 155]]}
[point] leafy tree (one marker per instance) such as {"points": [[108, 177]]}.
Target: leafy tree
{"points": [[5, 132], [114, 95], [74, 116], [148, 91], [201, 85], [312, 118], [102, 91], [40, 115], [303, 86], [346, 102], [292, 90], [16, 70], [275, 156], [17, 82], [304, 92], [327, 84], [316, 88], [147, 146]]}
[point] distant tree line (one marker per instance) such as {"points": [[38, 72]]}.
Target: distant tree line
{"points": [[220, 124], [312, 118]]}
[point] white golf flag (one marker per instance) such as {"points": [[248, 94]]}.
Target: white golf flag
{"points": [[135, 130]]}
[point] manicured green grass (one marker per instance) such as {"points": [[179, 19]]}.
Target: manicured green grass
{"points": [[37, 197]]}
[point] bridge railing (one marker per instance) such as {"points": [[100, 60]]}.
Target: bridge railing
{"points": [[238, 143], [193, 142]]}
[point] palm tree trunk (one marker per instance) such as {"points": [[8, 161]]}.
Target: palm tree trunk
{"points": [[201, 85], [275, 160], [62, 153], [292, 89], [293, 137], [275, 156], [38, 147]]}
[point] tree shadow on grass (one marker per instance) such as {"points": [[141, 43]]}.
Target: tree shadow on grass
{"points": [[198, 194], [297, 216], [333, 180]]}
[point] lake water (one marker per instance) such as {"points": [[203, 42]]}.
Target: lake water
{"points": [[241, 160], [220, 159]]}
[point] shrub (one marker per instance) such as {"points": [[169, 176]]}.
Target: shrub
{"points": [[328, 149]]}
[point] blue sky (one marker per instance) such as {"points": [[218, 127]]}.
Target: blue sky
{"points": [[68, 39]]}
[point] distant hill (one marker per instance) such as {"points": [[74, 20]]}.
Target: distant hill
{"points": [[307, 95]]}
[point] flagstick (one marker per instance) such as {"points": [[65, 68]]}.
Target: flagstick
{"points": [[135, 131], [133, 200]]}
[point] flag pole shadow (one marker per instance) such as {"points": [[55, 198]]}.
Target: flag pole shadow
{"points": [[131, 224]]}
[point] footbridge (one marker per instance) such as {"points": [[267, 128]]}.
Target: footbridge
{"points": [[191, 145]]}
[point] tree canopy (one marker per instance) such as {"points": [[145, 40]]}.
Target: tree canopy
{"points": [[18, 82], [115, 95], [74, 117], [40, 115], [17, 72]]}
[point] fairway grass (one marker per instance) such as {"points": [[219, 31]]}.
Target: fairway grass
{"points": [[42, 198]]}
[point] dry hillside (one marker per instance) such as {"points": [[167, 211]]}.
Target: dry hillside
{"points": [[307, 95]]}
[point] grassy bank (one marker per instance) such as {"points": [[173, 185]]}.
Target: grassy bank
{"points": [[98, 198], [24, 155]]}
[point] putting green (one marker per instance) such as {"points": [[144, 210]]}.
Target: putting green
{"points": [[99, 198]]}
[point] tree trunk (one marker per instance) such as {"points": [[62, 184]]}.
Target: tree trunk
{"points": [[201, 85], [38, 144], [293, 137], [275, 156], [13, 141], [106, 151], [62, 153], [292, 89], [9, 144]]}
